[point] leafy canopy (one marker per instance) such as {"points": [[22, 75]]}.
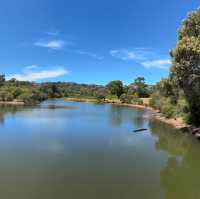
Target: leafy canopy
{"points": [[115, 87]]}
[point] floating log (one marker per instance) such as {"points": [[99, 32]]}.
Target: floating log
{"points": [[138, 130]]}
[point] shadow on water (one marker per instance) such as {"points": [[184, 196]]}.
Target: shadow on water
{"points": [[180, 176]]}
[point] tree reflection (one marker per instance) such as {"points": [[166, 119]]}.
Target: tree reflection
{"points": [[137, 118], [12, 109], [115, 115], [180, 176], [121, 114]]}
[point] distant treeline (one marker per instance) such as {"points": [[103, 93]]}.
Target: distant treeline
{"points": [[31, 93]]}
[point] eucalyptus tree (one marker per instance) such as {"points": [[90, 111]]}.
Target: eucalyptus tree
{"points": [[185, 71]]}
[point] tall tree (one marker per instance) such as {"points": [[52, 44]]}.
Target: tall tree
{"points": [[115, 87], [185, 70], [139, 87]]}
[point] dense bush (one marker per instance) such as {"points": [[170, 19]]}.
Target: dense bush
{"points": [[168, 110], [125, 98], [6, 96], [100, 97], [116, 87]]}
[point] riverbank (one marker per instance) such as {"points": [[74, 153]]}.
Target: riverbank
{"points": [[177, 123], [12, 103], [72, 99]]}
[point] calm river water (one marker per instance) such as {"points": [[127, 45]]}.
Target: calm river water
{"points": [[71, 150]]}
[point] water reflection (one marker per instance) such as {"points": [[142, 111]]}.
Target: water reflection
{"points": [[12, 109], [119, 115], [180, 176], [137, 118], [115, 113], [91, 159]]}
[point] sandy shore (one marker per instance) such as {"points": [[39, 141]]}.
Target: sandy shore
{"points": [[12, 103], [71, 99]]}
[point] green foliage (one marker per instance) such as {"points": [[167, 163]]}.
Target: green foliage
{"points": [[179, 94], [116, 87], [6, 96], [125, 98], [100, 97], [111, 97], [185, 71], [139, 88], [165, 87], [168, 106], [130, 99], [26, 97], [159, 102], [32, 93], [168, 110]]}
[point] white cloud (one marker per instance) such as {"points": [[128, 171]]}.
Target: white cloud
{"points": [[159, 63], [36, 74], [134, 54], [123, 54], [53, 44], [144, 56], [90, 54], [63, 45], [31, 67]]}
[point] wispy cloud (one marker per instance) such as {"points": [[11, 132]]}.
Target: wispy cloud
{"points": [[35, 73], [125, 54], [157, 63], [52, 44], [90, 54], [31, 67], [144, 56], [67, 46]]}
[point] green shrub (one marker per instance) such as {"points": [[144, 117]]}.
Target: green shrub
{"points": [[125, 98], [27, 98], [168, 110], [111, 97], [6, 96], [100, 97]]}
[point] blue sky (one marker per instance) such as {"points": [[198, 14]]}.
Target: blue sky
{"points": [[89, 41]]}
